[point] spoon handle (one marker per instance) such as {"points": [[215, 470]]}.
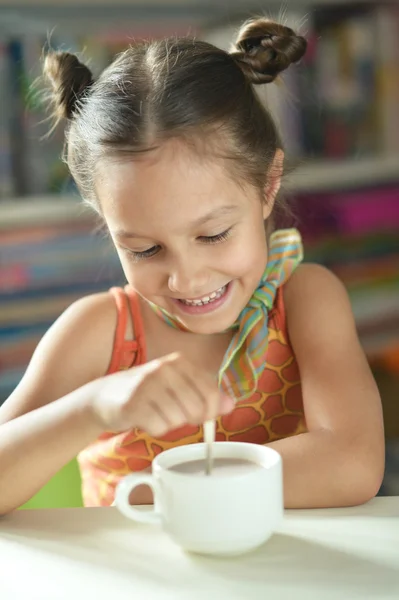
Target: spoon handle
{"points": [[209, 438]]}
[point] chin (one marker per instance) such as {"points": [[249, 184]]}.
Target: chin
{"points": [[205, 329], [208, 326]]}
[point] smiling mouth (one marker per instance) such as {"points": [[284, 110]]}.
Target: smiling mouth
{"points": [[204, 300]]}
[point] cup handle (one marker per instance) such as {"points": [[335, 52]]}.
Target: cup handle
{"points": [[123, 491]]}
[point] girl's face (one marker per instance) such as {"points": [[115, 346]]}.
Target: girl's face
{"points": [[189, 238]]}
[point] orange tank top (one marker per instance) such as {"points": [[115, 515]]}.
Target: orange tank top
{"points": [[273, 412]]}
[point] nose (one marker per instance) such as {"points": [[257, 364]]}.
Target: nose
{"points": [[187, 277]]}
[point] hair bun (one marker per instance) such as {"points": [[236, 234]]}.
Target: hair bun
{"points": [[69, 79], [263, 49]]}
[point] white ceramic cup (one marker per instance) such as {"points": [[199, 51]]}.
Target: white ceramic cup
{"points": [[224, 515]]}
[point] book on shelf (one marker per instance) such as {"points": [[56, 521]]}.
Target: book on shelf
{"points": [[340, 101], [43, 270], [356, 235], [7, 181], [343, 96], [30, 159]]}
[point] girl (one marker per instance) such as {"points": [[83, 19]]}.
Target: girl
{"points": [[219, 320]]}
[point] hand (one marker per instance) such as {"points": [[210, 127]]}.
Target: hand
{"points": [[159, 396]]}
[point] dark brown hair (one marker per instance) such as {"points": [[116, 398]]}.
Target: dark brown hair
{"points": [[171, 88]]}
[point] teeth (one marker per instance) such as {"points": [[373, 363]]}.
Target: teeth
{"points": [[206, 299]]}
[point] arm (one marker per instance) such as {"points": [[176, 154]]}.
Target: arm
{"points": [[340, 460], [64, 402], [48, 419]]}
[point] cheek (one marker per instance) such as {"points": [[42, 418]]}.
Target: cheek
{"points": [[140, 275], [247, 254]]}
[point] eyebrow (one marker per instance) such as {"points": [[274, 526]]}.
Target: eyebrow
{"points": [[214, 214]]}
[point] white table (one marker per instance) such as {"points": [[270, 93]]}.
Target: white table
{"points": [[96, 554]]}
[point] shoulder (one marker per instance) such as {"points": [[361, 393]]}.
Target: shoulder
{"points": [[95, 315], [318, 307], [84, 332], [75, 350], [92, 306], [311, 274], [312, 284]]}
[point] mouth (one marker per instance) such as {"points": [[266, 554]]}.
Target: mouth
{"points": [[204, 304], [207, 299]]}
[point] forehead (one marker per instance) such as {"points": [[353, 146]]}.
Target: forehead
{"points": [[170, 184]]}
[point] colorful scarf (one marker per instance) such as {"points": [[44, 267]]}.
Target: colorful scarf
{"points": [[245, 358]]}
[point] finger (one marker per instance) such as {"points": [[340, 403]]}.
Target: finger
{"points": [[169, 405], [227, 404], [192, 379], [184, 392], [156, 364], [152, 420], [168, 391], [204, 385]]}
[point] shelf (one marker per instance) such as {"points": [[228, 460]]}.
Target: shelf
{"points": [[234, 4], [45, 210], [131, 17], [89, 15], [378, 344], [102, 18], [320, 176], [314, 176], [51, 4]]}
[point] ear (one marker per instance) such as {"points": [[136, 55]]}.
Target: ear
{"points": [[273, 183]]}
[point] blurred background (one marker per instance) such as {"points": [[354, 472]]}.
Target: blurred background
{"points": [[338, 112]]}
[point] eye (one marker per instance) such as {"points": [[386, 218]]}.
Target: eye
{"points": [[214, 239], [144, 254]]}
